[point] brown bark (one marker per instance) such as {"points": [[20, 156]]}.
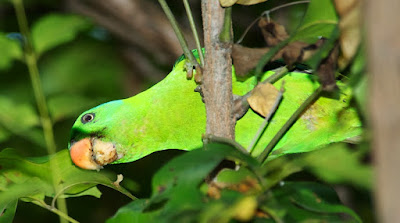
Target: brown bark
{"points": [[384, 63], [217, 73]]}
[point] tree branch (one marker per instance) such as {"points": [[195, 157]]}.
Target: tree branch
{"points": [[217, 74], [383, 61]]}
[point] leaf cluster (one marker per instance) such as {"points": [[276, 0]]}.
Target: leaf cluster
{"points": [[180, 193]]}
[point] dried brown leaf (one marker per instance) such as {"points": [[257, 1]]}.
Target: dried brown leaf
{"points": [[262, 98], [246, 59], [309, 51], [349, 12], [273, 33], [326, 70], [293, 52]]}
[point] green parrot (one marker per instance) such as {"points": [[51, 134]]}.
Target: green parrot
{"points": [[171, 115]]}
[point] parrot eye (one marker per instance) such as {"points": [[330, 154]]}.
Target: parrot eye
{"points": [[87, 118]]}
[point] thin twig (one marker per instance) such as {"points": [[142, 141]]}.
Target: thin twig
{"points": [[248, 29], [313, 97], [88, 182], [188, 53], [266, 120], [282, 71], [61, 214], [226, 35], [266, 13], [286, 5], [268, 56], [194, 31], [31, 61]]}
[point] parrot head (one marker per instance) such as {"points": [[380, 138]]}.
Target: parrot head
{"points": [[92, 144]]}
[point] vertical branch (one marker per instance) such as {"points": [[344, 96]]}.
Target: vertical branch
{"points": [[217, 79], [194, 31], [384, 53], [31, 62], [188, 53]]}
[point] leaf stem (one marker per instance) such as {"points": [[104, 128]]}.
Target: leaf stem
{"points": [[31, 61], [188, 53], [282, 71], [268, 56], [194, 31], [313, 97], [266, 120], [266, 13], [285, 5], [61, 214], [226, 36], [61, 191]]}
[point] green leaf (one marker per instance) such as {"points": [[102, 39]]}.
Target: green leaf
{"points": [[361, 94], [56, 29], [182, 176], [10, 51], [132, 212], [176, 187], [32, 178], [232, 205], [230, 177], [7, 212], [4, 134], [359, 80], [95, 71], [179, 196], [324, 50], [17, 117], [67, 106], [337, 164], [77, 192], [278, 169], [319, 21], [307, 201], [20, 119]]}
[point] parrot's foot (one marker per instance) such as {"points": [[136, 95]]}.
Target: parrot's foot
{"points": [[200, 90]]}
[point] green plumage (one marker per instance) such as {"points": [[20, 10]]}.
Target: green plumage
{"points": [[170, 115]]}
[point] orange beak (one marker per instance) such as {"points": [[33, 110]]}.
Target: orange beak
{"points": [[92, 153], [82, 155]]}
